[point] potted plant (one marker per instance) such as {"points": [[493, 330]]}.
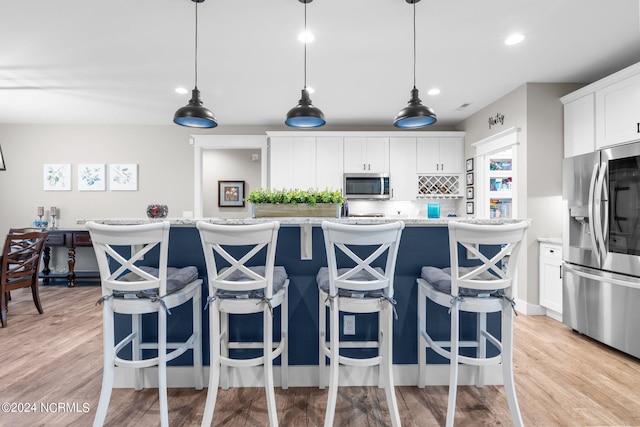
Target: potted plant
{"points": [[295, 203]]}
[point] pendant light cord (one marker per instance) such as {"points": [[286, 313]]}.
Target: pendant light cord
{"points": [[196, 60], [306, 40], [414, 44]]}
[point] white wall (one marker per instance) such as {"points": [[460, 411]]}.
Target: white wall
{"points": [[228, 165]]}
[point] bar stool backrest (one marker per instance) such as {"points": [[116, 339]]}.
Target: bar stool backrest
{"points": [[489, 275], [218, 239], [362, 276], [114, 264]]}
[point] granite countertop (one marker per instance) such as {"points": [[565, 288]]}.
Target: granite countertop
{"points": [[552, 240], [293, 221]]}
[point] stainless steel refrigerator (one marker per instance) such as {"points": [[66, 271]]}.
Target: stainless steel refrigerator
{"points": [[601, 246]]}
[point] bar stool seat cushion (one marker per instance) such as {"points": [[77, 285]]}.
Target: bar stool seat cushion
{"points": [[280, 276], [440, 279], [177, 278], [323, 282]]}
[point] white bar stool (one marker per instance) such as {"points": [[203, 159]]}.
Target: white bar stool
{"points": [[237, 288], [484, 288], [136, 290], [359, 288]]}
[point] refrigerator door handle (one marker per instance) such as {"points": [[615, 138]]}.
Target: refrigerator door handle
{"points": [[590, 206], [583, 272], [601, 227]]}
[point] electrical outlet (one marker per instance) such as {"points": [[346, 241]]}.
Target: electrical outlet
{"points": [[349, 324]]}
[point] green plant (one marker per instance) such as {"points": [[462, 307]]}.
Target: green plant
{"points": [[295, 196]]}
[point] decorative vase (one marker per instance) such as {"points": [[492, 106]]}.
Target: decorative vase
{"points": [[298, 210], [157, 211]]}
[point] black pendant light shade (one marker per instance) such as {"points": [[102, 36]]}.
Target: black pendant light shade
{"points": [[305, 115], [195, 115], [415, 115]]}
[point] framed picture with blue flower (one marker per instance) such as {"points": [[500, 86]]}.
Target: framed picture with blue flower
{"points": [[91, 177]]}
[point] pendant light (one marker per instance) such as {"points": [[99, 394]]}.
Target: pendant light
{"points": [[305, 115], [195, 115], [414, 115]]}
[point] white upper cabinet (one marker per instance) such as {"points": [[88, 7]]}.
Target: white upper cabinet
{"points": [[292, 162], [618, 112], [329, 162], [366, 154], [579, 126], [439, 155], [402, 169], [306, 162]]}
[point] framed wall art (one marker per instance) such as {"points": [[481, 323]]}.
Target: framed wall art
{"points": [[469, 192], [469, 208], [470, 164], [470, 178], [230, 194], [91, 177], [123, 177], [2, 166], [57, 177]]}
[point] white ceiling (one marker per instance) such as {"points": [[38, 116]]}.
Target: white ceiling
{"points": [[118, 61]]}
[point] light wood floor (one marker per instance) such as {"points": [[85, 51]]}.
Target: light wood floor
{"points": [[562, 379]]}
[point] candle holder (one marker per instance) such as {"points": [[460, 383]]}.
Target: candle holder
{"points": [[53, 221]]}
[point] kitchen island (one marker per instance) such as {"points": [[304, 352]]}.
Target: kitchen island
{"points": [[301, 251]]}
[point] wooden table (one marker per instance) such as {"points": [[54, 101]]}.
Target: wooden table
{"points": [[71, 239]]}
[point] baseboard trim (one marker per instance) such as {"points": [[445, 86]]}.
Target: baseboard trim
{"points": [[528, 309], [307, 376]]}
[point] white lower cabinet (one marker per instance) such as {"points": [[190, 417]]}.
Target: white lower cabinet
{"points": [[550, 277]]}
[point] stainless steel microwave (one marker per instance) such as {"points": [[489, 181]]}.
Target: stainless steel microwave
{"points": [[372, 186]]}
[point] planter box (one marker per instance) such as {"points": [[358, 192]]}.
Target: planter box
{"points": [[271, 210]]}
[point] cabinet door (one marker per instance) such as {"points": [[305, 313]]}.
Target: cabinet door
{"points": [[355, 154], [428, 155], [377, 154], [618, 113], [329, 163], [402, 169], [280, 161], [579, 126], [551, 277], [451, 155], [292, 162]]}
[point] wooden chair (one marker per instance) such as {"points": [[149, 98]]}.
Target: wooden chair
{"points": [[243, 280], [20, 261], [359, 288], [485, 287], [129, 288]]}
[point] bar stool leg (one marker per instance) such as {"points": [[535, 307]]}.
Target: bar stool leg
{"points": [[267, 318], [225, 371], [422, 327], [482, 348], [453, 369], [162, 367], [322, 360], [108, 371], [387, 362], [136, 350], [284, 335], [214, 364], [334, 332], [507, 363], [197, 343]]}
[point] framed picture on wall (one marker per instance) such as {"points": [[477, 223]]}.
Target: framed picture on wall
{"points": [[231, 194], [470, 178], [2, 166], [469, 208], [57, 177], [470, 164], [469, 192]]}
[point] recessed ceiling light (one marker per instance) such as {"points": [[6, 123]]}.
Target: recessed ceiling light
{"points": [[434, 91], [181, 90], [306, 37], [514, 39]]}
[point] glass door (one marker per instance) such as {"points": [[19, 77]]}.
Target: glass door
{"points": [[499, 184]]}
